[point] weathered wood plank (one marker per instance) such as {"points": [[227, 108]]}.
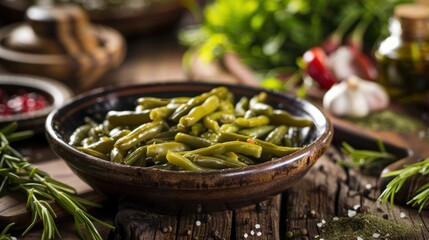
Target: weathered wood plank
{"points": [[260, 221]]}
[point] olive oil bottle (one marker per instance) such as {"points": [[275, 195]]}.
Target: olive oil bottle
{"points": [[403, 57]]}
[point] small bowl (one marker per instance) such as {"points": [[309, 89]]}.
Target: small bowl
{"points": [[54, 92], [169, 190]]}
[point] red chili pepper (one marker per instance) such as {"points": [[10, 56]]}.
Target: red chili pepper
{"points": [[315, 60]]}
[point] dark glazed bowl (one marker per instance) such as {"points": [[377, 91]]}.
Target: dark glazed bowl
{"points": [[183, 190]]}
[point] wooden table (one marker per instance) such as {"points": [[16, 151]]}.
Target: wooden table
{"points": [[327, 191]]}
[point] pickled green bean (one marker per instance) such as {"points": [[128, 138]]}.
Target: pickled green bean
{"points": [[281, 117], [192, 141], [198, 112], [253, 121], [79, 134], [181, 161], [257, 132], [232, 146], [277, 135], [140, 134], [127, 118]]}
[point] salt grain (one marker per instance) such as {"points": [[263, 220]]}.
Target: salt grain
{"points": [[320, 225], [402, 215], [198, 223], [257, 226], [368, 186], [359, 238], [376, 235], [356, 207], [335, 218], [252, 232], [259, 234], [351, 213], [245, 235], [323, 221]]}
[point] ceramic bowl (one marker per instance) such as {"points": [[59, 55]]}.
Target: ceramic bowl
{"points": [[53, 91], [183, 190]]}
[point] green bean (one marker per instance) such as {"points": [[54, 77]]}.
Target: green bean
{"points": [[277, 135], [138, 154], [79, 134], [253, 121], [169, 134], [241, 107], [165, 166], [127, 118], [92, 152], [232, 127], [246, 160], [212, 162], [281, 117], [117, 155], [232, 146], [195, 101], [267, 147], [139, 134], [159, 151], [181, 161], [231, 159], [210, 121], [198, 112], [198, 128], [192, 141], [161, 113], [226, 106], [104, 145], [257, 105], [257, 132], [151, 102]]}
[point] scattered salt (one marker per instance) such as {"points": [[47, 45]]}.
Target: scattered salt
{"points": [[198, 223], [259, 234], [252, 232], [245, 235], [387, 235], [376, 235], [320, 225], [402, 215], [351, 213], [356, 207], [359, 238], [368, 186], [335, 218], [323, 221], [257, 226]]}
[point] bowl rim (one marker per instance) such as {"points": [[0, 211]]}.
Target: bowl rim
{"points": [[325, 137], [56, 90]]}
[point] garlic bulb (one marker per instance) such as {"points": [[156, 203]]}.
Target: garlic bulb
{"points": [[355, 97]]}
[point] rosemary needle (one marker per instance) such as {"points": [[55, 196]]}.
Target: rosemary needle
{"points": [[401, 176], [17, 174]]}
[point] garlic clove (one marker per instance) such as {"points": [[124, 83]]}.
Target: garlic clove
{"points": [[355, 97]]}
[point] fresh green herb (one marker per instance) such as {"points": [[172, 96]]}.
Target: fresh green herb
{"points": [[402, 175], [6, 236], [17, 174], [367, 159], [272, 34]]}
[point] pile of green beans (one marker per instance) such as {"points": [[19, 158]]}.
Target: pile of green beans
{"points": [[208, 131]]}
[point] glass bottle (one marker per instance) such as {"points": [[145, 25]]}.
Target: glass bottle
{"points": [[403, 57]]}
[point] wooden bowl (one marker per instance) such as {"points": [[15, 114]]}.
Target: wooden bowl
{"points": [[183, 190], [59, 42], [54, 92]]}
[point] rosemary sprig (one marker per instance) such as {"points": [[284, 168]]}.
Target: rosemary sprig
{"points": [[17, 174], [6, 236], [367, 159], [402, 175]]}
